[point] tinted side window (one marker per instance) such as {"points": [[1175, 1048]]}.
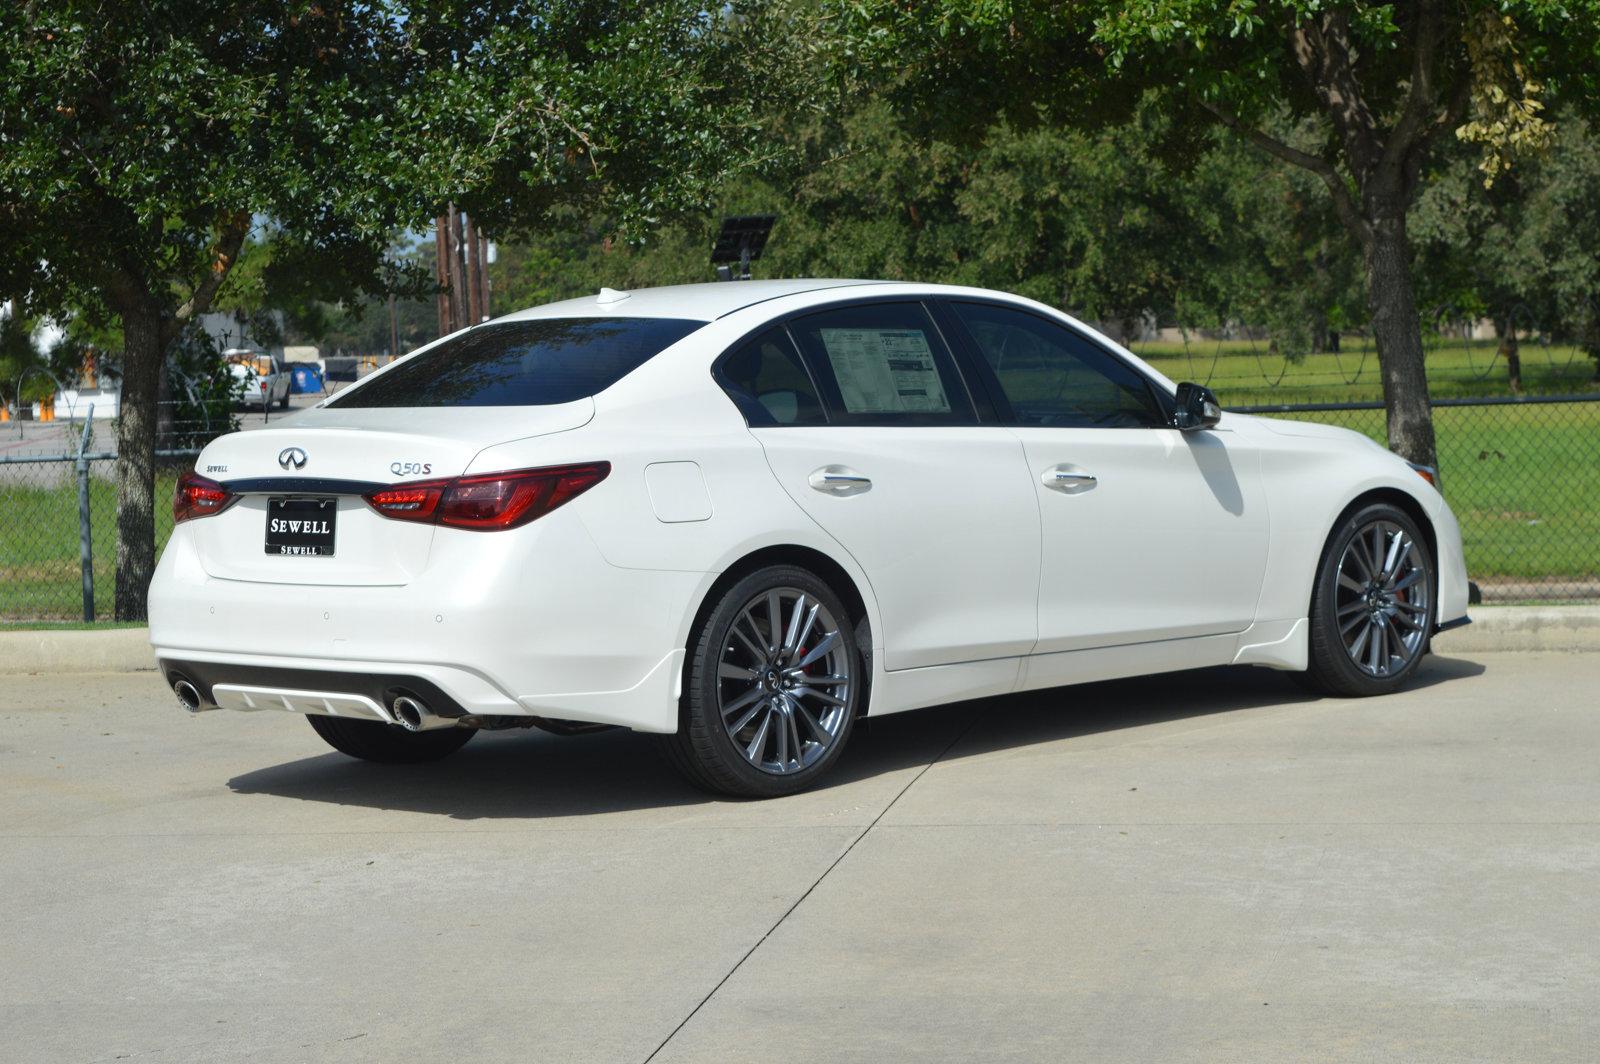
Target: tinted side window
{"points": [[1054, 377], [883, 363], [522, 363], [769, 383]]}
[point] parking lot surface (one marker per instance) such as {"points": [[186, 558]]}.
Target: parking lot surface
{"points": [[1200, 867]]}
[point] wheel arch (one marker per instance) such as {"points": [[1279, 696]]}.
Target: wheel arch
{"points": [[830, 571], [1401, 500]]}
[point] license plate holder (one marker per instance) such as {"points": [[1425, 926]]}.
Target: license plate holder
{"points": [[301, 527]]}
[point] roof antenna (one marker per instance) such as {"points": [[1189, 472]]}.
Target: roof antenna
{"points": [[740, 240]]}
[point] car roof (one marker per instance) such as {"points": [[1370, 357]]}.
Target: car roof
{"points": [[695, 302]]}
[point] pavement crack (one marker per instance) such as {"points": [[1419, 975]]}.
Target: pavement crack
{"points": [[951, 745]]}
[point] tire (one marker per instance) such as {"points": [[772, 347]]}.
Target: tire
{"points": [[388, 744], [769, 733], [1369, 633], [283, 404]]}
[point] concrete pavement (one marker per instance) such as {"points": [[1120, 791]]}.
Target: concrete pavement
{"points": [[1207, 866]]}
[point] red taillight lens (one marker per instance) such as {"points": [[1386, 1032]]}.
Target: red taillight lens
{"points": [[198, 496], [409, 502], [489, 501]]}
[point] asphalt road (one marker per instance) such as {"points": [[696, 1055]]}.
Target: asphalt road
{"points": [[1201, 867]]}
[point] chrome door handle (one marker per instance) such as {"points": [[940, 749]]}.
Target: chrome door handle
{"points": [[839, 480], [1069, 480]]}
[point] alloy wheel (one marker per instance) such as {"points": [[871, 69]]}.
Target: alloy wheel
{"points": [[1381, 600], [784, 680]]}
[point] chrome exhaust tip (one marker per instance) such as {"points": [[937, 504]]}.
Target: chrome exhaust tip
{"points": [[188, 695], [413, 715]]}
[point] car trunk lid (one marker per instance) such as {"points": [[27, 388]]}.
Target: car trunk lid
{"points": [[337, 456]]}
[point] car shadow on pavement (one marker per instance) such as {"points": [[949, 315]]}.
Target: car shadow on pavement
{"points": [[529, 774], [1091, 709]]}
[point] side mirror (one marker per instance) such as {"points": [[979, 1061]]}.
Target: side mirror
{"points": [[1197, 408]]}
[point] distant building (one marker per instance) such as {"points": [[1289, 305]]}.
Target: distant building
{"points": [[232, 330]]}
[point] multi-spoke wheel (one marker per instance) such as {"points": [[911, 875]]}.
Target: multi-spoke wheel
{"points": [[1372, 606], [772, 686]]}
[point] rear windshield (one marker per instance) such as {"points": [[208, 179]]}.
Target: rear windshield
{"points": [[522, 363]]}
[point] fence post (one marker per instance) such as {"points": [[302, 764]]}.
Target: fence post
{"points": [[85, 541]]}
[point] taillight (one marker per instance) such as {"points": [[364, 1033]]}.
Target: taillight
{"points": [[409, 502], [198, 496], [488, 501]]}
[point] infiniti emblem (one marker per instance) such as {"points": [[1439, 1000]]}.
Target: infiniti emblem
{"points": [[292, 458]]}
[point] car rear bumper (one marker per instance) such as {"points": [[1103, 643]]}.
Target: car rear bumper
{"points": [[530, 622], [366, 690]]}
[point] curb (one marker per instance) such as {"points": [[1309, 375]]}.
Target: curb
{"points": [[110, 650], [1565, 628], [1493, 628]]}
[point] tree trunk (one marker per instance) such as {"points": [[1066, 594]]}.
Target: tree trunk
{"points": [[145, 345], [1320, 333], [1398, 333], [1512, 352]]}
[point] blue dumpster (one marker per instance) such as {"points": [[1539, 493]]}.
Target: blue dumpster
{"points": [[305, 377]]}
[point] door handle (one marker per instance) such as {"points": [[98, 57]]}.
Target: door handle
{"points": [[1069, 480], [839, 480]]}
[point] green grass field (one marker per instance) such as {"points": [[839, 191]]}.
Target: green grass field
{"points": [[1246, 375], [1523, 480], [40, 572]]}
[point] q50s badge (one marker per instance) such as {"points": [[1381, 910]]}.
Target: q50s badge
{"points": [[411, 469]]}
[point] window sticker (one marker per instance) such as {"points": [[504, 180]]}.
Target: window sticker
{"points": [[885, 371]]}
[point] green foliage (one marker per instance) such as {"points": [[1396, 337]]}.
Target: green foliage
{"points": [[203, 390], [1090, 221], [1521, 251], [144, 142], [1356, 94], [24, 360], [141, 148], [18, 354]]}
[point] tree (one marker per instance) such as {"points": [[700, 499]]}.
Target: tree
{"points": [[1353, 93], [1522, 250], [1089, 221], [19, 352], [141, 144]]}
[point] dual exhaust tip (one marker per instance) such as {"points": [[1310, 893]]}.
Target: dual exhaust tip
{"points": [[410, 713]]}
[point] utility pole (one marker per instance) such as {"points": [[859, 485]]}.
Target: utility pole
{"points": [[442, 272], [463, 271], [483, 279], [474, 293], [458, 286]]}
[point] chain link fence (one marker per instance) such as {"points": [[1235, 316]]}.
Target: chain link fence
{"points": [[58, 495], [1523, 477], [1522, 474]]}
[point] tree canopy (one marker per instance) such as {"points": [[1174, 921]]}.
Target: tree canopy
{"points": [[1357, 94], [142, 145]]}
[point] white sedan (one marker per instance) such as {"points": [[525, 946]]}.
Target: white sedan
{"points": [[743, 515]]}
